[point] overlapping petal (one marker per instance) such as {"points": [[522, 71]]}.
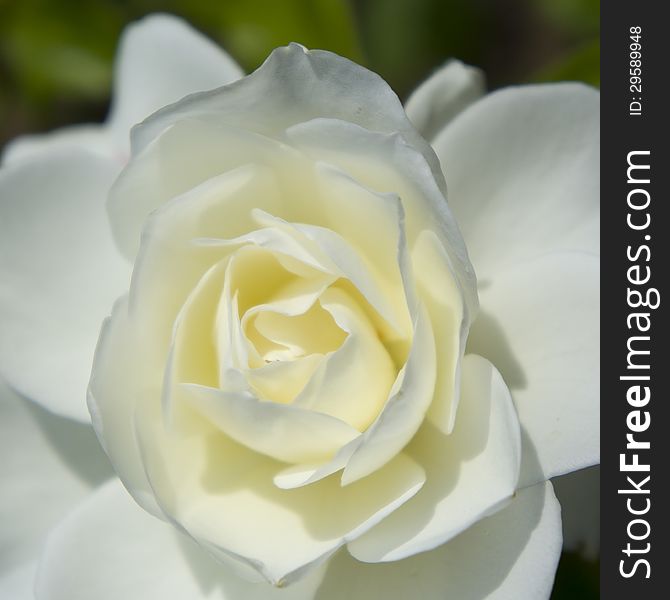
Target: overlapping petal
{"points": [[292, 86], [95, 139], [385, 162], [18, 583], [539, 324], [55, 238], [161, 59], [59, 274], [109, 548], [539, 320], [223, 494], [213, 289], [523, 172], [469, 474], [510, 555], [447, 92], [49, 464]]}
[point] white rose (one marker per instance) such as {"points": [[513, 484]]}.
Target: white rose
{"points": [[287, 374]]}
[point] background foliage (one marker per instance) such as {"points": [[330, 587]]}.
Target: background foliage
{"points": [[56, 55], [56, 63]]}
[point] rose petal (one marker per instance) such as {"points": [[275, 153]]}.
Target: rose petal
{"points": [[511, 555], [210, 340], [387, 164], [539, 324], [400, 418], [91, 138], [109, 548], [112, 414], [223, 494], [161, 59], [163, 171], [299, 84], [143, 558], [337, 256], [523, 172], [292, 86], [59, 274], [349, 208], [166, 271], [18, 583], [469, 474], [444, 304], [193, 475], [447, 92], [171, 263], [403, 412], [342, 386], [48, 464], [282, 431]]}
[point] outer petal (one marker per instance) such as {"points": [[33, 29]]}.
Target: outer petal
{"points": [[223, 494], [48, 464], [443, 95], [59, 274], [114, 423], [139, 558], [92, 138], [523, 172], [469, 474], [492, 560], [18, 583], [511, 555], [539, 324], [292, 86], [579, 495], [162, 59]]}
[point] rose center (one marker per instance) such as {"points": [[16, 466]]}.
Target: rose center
{"points": [[280, 337]]}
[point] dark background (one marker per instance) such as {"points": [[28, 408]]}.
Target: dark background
{"points": [[56, 55], [56, 61]]}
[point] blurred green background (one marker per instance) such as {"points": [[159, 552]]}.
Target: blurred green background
{"points": [[56, 55], [56, 64]]}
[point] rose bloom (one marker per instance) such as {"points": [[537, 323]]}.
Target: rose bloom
{"points": [[303, 387]]}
